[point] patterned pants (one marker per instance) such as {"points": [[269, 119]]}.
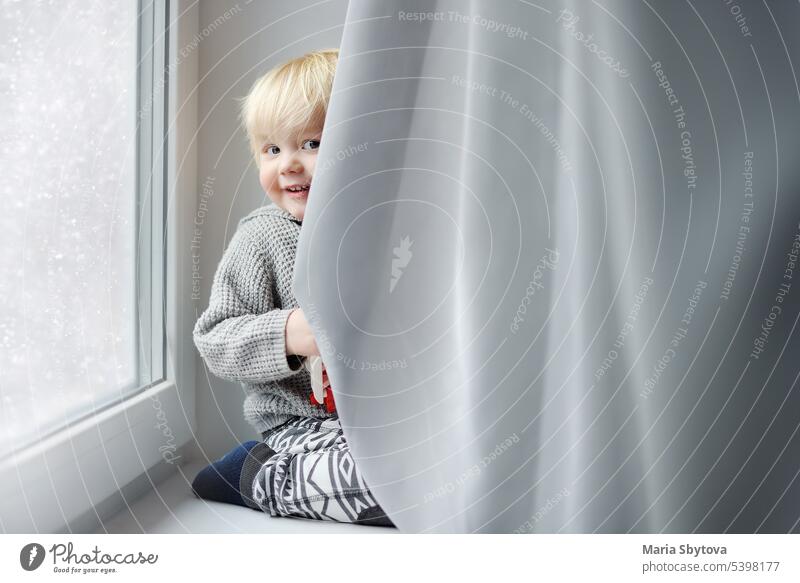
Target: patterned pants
{"points": [[312, 475]]}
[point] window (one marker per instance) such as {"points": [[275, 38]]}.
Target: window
{"points": [[81, 232]]}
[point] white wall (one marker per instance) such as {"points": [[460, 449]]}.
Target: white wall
{"points": [[238, 42]]}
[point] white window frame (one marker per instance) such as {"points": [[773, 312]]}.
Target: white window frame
{"points": [[61, 480]]}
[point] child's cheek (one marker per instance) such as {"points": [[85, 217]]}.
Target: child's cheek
{"points": [[265, 179], [311, 163]]}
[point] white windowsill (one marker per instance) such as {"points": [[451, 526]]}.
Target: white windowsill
{"points": [[57, 480]]}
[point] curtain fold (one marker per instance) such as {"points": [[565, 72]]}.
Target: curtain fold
{"points": [[542, 248]]}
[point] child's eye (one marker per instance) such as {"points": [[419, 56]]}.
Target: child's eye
{"points": [[311, 144], [274, 150]]}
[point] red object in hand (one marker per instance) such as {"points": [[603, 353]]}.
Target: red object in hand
{"points": [[330, 405], [327, 401]]}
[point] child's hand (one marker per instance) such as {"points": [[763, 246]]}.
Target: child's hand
{"points": [[299, 337]]}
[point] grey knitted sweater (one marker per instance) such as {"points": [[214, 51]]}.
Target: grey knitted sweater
{"points": [[241, 336]]}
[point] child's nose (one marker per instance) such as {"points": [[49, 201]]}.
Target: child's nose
{"points": [[291, 163]]}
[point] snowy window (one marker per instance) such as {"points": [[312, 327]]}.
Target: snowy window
{"points": [[68, 333]]}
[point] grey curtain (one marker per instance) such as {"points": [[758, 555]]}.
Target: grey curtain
{"points": [[550, 259]]}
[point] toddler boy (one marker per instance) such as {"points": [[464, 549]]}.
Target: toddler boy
{"points": [[254, 331]]}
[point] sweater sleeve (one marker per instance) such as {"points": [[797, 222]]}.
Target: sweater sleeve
{"points": [[242, 335]]}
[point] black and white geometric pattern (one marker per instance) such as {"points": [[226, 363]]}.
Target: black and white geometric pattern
{"points": [[312, 474]]}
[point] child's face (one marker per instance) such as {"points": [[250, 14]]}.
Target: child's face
{"points": [[288, 163]]}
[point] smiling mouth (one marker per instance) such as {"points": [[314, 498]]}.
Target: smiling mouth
{"points": [[297, 191]]}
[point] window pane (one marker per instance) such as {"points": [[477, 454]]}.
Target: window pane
{"points": [[67, 227]]}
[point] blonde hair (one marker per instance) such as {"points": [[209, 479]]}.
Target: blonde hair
{"points": [[289, 98]]}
